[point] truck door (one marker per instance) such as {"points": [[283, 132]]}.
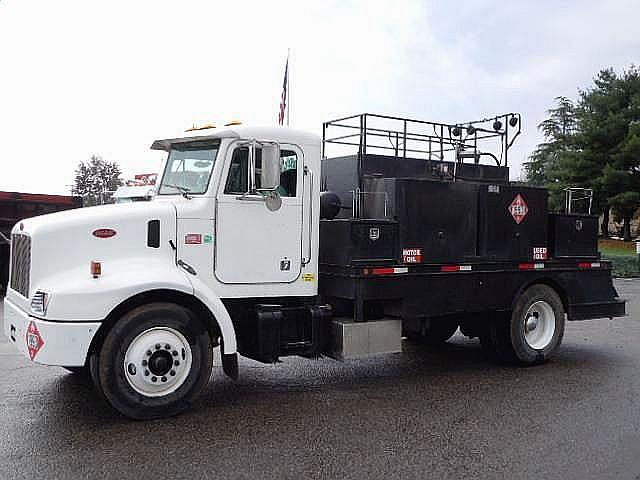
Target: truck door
{"points": [[259, 226]]}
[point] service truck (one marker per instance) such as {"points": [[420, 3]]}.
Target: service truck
{"points": [[261, 243]]}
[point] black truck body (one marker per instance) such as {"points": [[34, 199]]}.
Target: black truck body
{"points": [[453, 239], [415, 227]]}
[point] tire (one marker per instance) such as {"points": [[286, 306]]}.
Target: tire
{"points": [[154, 361], [534, 330], [437, 333]]}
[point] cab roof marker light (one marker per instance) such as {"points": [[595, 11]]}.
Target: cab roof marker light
{"points": [[195, 128], [233, 123]]}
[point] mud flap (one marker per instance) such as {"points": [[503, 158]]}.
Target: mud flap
{"points": [[230, 365]]}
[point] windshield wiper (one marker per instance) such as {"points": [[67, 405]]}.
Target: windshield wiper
{"points": [[183, 190]]}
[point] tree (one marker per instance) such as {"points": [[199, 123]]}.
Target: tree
{"points": [[94, 179], [545, 166], [610, 138], [594, 143]]}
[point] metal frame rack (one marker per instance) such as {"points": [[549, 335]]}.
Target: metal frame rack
{"points": [[404, 136]]}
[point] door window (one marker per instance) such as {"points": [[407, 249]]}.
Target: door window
{"points": [[238, 176]]}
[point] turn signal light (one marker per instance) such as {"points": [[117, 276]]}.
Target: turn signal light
{"points": [[96, 269]]}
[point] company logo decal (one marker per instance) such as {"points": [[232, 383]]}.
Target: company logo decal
{"points": [[374, 233], [193, 238], [104, 233], [35, 341], [411, 255], [518, 209]]}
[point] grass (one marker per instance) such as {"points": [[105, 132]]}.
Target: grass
{"points": [[622, 255]]}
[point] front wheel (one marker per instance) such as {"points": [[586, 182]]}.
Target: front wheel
{"points": [[155, 361], [534, 331]]}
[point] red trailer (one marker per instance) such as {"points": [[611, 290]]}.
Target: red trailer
{"points": [[15, 206]]}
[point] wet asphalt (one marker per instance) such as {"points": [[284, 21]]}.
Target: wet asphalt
{"points": [[443, 413]]}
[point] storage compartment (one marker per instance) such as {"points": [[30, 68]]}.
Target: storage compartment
{"points": [[348, 242], [438, 218], [512, 221], [572, 235]]}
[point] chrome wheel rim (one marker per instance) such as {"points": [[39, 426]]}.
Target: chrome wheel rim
{"points": [[539, 325], [157, 362]]}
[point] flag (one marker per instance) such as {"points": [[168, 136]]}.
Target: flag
{"points": [[283, 99]]}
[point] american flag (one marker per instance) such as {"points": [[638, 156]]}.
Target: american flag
{"points": [[283, 100]]}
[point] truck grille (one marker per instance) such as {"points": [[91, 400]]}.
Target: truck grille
{"points": [[20, 263]]}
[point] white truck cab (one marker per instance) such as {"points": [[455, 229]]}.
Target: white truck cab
{"points": [[233, 218]]}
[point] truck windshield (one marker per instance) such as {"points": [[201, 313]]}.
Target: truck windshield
{"points": [[188, 171]]}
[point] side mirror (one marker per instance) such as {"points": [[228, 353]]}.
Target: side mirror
{"points": [[270, 172]]}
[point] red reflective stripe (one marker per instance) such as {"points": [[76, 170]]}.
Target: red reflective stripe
{"points": [[387, 270], [383, 271], [526, 266], [589, 265], [449, 268]]}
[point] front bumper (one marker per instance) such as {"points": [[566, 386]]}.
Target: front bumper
{"points": [[48, 342]]}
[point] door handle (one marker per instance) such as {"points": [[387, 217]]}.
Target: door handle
{"points": [[247, 198]]}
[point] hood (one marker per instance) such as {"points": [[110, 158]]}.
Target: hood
{"points": [[56, 250]]}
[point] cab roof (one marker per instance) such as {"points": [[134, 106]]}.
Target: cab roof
{"points": [[280, 134]]}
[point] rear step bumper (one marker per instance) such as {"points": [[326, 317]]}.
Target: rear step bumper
{"points": [[586, 311]]}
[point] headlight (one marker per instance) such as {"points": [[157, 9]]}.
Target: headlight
{"points": [[40, 302]]}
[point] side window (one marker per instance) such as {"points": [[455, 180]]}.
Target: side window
{"points": [[288, 173], [238, 176]]}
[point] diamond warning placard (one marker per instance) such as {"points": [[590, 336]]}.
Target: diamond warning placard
{"points": [[34, 340], [518, 209]]}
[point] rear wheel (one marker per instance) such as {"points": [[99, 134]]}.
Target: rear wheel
{"points": [[155, 361], [534, 331]]}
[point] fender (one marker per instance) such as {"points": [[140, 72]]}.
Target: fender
{"points": [[220, 313]]}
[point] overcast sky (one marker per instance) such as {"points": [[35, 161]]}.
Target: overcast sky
{"points": [[105, 77]]}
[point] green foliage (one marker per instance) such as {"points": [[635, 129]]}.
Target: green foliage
{"points": [[594, 143], [95, 178]]}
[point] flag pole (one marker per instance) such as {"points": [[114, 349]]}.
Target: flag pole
{"points": [[288, 87]]}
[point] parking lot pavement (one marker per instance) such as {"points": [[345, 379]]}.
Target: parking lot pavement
{"points": [[445, 413]]}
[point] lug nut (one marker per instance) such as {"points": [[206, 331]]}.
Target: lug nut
{"points": [[167, 347], [164, 379], [174, 353], [146, 373], [148, 353], [144, 363], [172, 373], [154, 379], [157, 346], [176, 363]]}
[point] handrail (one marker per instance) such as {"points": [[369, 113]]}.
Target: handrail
{"points": [[459, 138]]}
